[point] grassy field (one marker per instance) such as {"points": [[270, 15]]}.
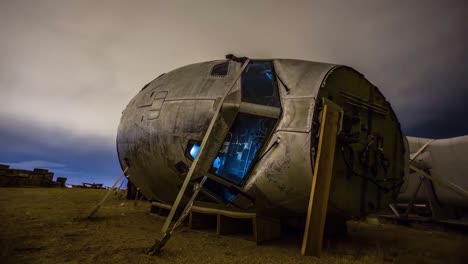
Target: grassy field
{"points": [[49, 226]]}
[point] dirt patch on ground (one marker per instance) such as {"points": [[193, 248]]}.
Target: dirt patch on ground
{"points": [[40, 225]]}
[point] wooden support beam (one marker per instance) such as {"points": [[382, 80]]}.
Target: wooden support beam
{"points": [[98, 206], [320, 189], [160, 209], [227, 221]]}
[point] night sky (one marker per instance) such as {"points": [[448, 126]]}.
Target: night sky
{"points": [[68, 68]]}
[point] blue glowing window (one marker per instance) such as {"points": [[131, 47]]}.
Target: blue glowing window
{"points": [[193, 150], [241, 147], [219, 190], [259, 85]]}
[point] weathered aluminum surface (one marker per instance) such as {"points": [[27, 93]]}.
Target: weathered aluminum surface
{"points": [[445, 159]]}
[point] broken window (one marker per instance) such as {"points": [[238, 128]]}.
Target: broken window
{"points": [[248, 133], [241, 147], [259, 84]]}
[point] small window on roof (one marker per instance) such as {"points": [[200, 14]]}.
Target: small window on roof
{"points": [[220, 69]]}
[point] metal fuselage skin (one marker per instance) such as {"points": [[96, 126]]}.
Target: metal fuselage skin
{"points": [[162, 122], [446, 160]]}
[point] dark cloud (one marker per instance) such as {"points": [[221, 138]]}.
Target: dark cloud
{"points": [[25, 145], [441, 121]]}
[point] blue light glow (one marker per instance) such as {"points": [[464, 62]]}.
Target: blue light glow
{"points": [[217, 163], [228, 195], [194, 151]]}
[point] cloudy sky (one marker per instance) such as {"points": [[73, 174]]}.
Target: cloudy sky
{"points": [[68, 68]]}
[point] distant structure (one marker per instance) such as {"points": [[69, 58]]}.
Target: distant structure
{"points": [[90, 185], [25, 178]]}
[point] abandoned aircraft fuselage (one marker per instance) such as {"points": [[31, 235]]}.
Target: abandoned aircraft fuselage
{"points": [[266, 151]]}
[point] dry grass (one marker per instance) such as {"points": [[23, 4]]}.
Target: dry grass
{"points": [[47, 226]]}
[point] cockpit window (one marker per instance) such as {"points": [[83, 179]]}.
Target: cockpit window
{"points": [[241, 147], [248, 133], [192, 151], [259, 84], [220, 69]]}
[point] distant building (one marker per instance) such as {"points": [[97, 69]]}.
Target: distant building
{"points": [[90, 185], [25, 178]]}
